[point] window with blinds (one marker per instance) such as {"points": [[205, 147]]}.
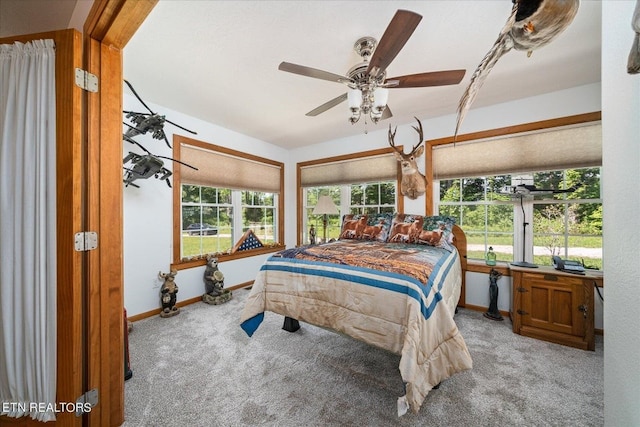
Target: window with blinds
{"points": [[380, 167], [222, 167], [358, 182], [472, 180], [229, 193], [570, 147]]}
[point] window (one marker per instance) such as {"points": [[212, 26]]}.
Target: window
{"points": [[311, 196], [373, 197], [568, 225], [259, 214], [364, 182], [470, 178], [482, 211], [229, 193], [207, 220]]}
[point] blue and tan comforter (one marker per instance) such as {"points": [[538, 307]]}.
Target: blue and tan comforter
{"points": [[399, 297]]}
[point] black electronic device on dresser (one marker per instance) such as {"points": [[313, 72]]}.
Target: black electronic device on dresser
{"points": [[568, 266]]}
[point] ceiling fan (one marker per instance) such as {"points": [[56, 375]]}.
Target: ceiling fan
{"points": [[367, 80]]}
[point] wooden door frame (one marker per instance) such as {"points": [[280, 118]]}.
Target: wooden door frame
{"points": [[69, 299], [108, 28]]}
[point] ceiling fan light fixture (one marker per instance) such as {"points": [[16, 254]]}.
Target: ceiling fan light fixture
{"points": [[354, 118], [380, 98], [354, 97], [367, 102]]}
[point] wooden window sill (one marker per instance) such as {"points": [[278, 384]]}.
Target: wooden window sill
{"points": [[197, 262]]}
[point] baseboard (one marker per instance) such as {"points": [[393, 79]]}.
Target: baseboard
{"points": [[484, 309], [183, 303]]}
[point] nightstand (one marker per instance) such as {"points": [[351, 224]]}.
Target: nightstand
{"points": [[554, 306]]}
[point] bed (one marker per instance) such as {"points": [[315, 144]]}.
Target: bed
{"points": [[395, 286]]}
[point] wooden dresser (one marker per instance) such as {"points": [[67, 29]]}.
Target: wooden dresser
{"points": [[554, 306]]}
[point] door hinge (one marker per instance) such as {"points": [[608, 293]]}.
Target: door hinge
{"points": [[85, 241], [522, 289], [522, 312], [86, 80], [87, 401]]}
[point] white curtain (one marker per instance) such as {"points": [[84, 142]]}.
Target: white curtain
{"points": [[28, 230]]}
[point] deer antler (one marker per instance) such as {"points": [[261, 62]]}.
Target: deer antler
{"points": [[420, 135], [418, 129], [392, 136]]}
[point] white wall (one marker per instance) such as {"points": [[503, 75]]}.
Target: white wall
{"points": [[148, 216], [621, 183]]}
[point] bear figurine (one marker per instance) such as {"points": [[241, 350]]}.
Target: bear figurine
{"points": [[214, 284], [168, 293]]}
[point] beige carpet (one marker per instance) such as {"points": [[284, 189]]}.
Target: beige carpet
{"points": [[200, 369]]}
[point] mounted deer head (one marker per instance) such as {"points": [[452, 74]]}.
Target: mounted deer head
{"points": [[413, 184]]}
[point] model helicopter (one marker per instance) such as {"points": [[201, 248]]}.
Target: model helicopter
{"points": [[523, 190], [147, 122], [145, 166]]}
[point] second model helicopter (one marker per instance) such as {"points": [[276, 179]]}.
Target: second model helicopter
{"points": [[145, 166], [147, 122]]}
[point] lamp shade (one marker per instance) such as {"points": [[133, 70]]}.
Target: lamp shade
{"points": [[354, 97], [325, 206], [380, 98]]}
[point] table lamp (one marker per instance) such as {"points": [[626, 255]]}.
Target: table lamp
{"points": [[325, 206]]}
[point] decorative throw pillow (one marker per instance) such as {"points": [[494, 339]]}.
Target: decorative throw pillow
{"points": [[437, 231], [405, 228], [366, 227], [353, 226], [423, 230], [377, 228]]}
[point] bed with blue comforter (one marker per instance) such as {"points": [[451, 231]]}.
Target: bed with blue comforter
{"points": [[398, 296]]}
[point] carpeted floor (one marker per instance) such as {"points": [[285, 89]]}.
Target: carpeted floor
{"points": [[199, 368]]}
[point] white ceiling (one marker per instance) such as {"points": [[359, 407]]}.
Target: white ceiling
{"points": [[218, 61]]}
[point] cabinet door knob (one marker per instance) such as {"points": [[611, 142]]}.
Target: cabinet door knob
{"points": [[584, 309]]}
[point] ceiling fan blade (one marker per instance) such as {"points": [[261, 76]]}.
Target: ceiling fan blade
{"points": [[435, 78], [312, 72], [400, 28], [330, 104]]}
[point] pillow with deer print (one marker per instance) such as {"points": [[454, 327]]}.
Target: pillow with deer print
{"points": [[422, 230], [437, 231], [366, 226]]}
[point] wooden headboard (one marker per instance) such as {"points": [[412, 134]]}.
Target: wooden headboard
{"points": [[460, 242]]}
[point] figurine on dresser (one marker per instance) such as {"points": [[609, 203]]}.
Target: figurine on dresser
{"points": [[214, 284]]}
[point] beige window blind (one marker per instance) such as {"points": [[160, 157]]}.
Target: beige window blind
{"points": [[222, 170], [555, 149], [352, 171]]}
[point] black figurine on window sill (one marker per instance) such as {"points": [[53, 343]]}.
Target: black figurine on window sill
{"points": [[312, 235], [493, 313]]}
